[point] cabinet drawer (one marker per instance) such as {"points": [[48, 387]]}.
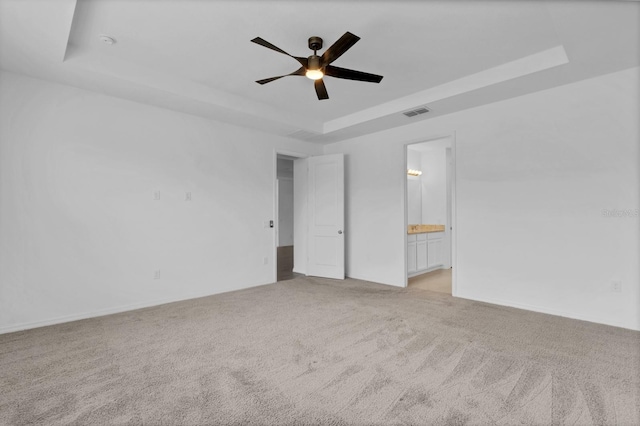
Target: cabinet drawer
{"points": [[411, 238], [435, 235], [421, 237]]}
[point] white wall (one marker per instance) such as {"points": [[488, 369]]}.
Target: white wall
{"points": [[80, 231], [414, 188], [533, 175], [414, 200], [414, 160], [434, 186]]}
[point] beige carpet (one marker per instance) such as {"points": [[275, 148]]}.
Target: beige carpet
{"points": [[320, 352]]}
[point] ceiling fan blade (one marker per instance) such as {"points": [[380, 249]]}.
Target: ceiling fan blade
{"points": [[338, 72], [336, 50], [321, 90], [265, 43], [299, 71]]}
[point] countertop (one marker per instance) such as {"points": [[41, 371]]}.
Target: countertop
{"points": [[421, 229]]}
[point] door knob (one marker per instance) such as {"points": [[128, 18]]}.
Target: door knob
{"points": [[339, 232]]}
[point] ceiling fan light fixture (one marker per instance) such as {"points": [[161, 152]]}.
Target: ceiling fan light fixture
{"points": [[314, 74], [314, 68]]}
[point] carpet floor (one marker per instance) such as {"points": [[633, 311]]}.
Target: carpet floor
{"points": [[312, 351]]}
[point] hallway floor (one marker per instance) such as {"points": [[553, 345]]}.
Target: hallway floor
{"points": [[438, 280], [285, 264]]}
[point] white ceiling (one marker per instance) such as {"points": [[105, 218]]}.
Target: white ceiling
{"points": [[196, 56]]}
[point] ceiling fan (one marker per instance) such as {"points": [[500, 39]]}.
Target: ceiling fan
{"points": [[315, 67]]}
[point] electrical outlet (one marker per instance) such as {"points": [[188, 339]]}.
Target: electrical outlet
{"points": [[156, 195], [187, 197], [265, 260], [156, 275], [616, 286]]}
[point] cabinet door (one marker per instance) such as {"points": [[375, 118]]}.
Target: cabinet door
{"points": [[411, 257], [421, 255], [434, 253]]}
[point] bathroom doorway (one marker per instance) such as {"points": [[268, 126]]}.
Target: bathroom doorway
{"points": [[430, 189]]}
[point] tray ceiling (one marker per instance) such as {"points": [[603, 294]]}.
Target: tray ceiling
{"points": [[196, 56]]}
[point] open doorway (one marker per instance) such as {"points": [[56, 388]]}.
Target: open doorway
{"points": [[430, 186], [309, 216], [284, 217]]}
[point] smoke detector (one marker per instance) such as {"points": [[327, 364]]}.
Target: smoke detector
{"points": [[106, 39]]}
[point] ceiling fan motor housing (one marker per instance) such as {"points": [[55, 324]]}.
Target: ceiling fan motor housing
{"points": [[315, 43], [314, 62]]}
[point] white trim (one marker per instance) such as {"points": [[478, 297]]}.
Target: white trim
{"points": [[453, 239], [371, 280], [274, 242], [111, 311], [291, 153], [547, 59], [555, 312], [405, 220], [276, 223]]}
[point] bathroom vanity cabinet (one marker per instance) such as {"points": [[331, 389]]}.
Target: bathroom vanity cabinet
{"points": [[425, 251]]}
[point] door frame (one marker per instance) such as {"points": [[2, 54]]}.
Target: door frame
{"points": [[454, 209], [274, 244]]}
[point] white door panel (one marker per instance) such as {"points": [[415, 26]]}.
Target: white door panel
{"points": [[421, 255], [411, 257], [326, 216], [435, 254]]}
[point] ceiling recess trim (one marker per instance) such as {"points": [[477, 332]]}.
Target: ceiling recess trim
{"points": [[303, 134], [540, 61]]}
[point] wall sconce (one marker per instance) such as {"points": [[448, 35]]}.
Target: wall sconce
{"points": [[412, 172]]}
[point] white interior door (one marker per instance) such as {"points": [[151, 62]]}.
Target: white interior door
{"points": [[326, 216]]}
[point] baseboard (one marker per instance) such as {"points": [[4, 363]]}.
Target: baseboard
{"points": [[110, 311], [157, 302], [556, 312]]}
